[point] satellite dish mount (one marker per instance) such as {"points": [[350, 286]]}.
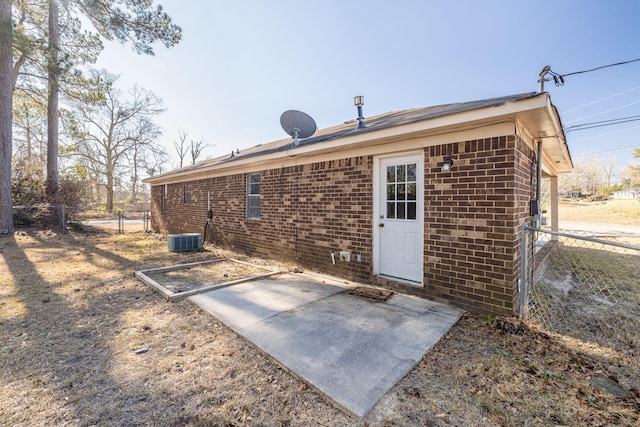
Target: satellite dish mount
{"points": [[297, 125]]}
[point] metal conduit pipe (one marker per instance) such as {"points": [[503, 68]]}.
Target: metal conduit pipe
{"points": [[538, 215]]}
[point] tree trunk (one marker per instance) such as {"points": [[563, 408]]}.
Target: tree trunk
{"points": [[28, 138], [134, 184], [110, 186], [6, 111], [134, 178], [52, 103]]}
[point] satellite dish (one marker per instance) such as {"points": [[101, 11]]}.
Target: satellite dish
{"points": [[297, 125]]}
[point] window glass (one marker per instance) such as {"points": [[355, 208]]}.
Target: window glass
{"points": [[391, 191], [411, 172], [165, 191], [402, 191], [401, 173], [411, 191], [401, 211], [253, 196], [391, 174], [411, 210], [391, 210]]}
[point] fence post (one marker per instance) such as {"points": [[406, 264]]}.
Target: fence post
{"points": [[120, 223], [523, 296], [63, 218]]}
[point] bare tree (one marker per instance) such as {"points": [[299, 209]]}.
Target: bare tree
{"points": [[112, 127], [181, 147], [29, 127], [155, 162], [608, 168], [630, 176], [197, 147], [146, 134]]}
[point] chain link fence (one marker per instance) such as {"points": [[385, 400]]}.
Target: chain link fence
{"points": [[117, 220], [582, 286]]}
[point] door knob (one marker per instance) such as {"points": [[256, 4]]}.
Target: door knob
{"points": [[381, 225]]}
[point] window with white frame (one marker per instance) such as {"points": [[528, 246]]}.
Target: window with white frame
{"points": [[165, 191], [253, 196]]}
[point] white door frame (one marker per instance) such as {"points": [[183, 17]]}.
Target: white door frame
{"points": [[377, 210]]}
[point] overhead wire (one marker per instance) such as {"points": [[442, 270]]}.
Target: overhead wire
{"points": [[613, 150], [559, 78], [603, 123], [605, 134], [604, 112], [601, 67], [600, 100], [559, 81]]}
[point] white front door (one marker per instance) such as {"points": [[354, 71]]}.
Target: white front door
{"points": [[399, 222]]}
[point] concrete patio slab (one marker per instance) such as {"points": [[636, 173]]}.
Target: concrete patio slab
{"points": [[350, 348]]}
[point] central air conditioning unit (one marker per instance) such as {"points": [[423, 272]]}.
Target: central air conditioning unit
{"points": [[184, 242]]}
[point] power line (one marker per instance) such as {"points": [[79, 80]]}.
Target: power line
{"points": [[606, 134], [600, 68], [604, 112], [600, 100], [558, 78], [615, 150], [602, 123]]}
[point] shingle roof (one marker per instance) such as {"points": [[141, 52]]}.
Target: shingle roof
{"points": [[374, 123]]}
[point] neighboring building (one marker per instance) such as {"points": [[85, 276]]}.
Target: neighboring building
{"points": [[382, 195], [631, 193]]}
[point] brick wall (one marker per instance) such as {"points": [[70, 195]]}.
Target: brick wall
{"points": [[307, 212], [472, 218]]}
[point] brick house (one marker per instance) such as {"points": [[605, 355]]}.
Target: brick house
{"points": [[382, 196]]}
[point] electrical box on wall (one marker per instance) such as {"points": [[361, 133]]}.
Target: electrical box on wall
{"points": [[345, 256], [534, 207]]}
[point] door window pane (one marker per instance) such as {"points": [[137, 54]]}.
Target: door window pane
{"points": [[391, 210], [411, 172], [391, 191], [391, 174], [402, 191], [411, 210], [401, 210], [411, 191]]}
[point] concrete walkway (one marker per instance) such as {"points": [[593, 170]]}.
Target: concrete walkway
{"points": [[351, 348]]}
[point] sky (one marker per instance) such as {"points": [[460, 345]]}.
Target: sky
{"points": [[240, 64]]}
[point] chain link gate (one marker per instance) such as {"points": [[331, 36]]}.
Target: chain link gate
{"points": [[582, 286]]}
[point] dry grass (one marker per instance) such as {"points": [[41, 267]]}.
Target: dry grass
{"points": [[84, 343], [191, 277], [613, 211]]}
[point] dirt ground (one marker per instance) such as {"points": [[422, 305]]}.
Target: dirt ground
{"points": [[83, 343]]}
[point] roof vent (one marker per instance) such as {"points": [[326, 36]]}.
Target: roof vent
{"points": [[358, 101]]}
